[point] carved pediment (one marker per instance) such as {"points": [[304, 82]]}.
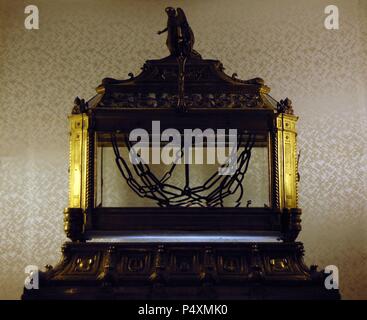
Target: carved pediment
{"points": [[205, 86]]}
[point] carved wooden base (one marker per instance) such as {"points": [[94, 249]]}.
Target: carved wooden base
{"points": [[181, 271]]}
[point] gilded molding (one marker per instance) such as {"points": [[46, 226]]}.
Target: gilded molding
{"points": [[286, 140], [78, 160], [79, 176]]}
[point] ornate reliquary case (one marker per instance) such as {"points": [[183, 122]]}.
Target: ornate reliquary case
{"points": [[197, 226], [105, 201]]}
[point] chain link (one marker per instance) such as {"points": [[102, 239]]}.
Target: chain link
{"points": [[168, 195]]}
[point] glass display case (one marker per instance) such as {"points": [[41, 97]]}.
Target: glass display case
{"points": [[111, 194]]}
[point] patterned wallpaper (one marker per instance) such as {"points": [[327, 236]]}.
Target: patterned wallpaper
{"points": [[80, 42]]}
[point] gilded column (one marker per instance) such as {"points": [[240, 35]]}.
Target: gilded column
{"points": [[79, 186], [287, 160]]}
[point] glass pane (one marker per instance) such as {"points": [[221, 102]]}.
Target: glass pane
{"points": [[187, 185]]}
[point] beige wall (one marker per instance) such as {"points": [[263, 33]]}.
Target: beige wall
{"points": [[284, 42]]}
